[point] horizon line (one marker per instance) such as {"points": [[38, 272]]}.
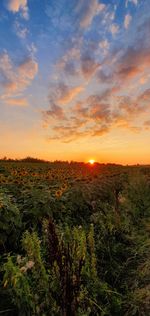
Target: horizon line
{"points": [[35, 159]]}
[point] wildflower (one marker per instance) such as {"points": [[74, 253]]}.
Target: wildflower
{"points": [[19, 259], [30, 264], [23, 269]]}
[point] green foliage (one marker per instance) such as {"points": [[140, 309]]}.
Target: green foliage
{"points": [[10, 221], [138, 197], [27, 279], [54, 283], [74, 240]]}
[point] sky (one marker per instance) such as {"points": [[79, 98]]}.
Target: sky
{"points": [[75, 80]]}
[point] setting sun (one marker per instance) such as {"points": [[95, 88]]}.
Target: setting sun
{"points": [[91, 161]]}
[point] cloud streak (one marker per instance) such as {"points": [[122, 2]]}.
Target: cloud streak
{"points": [[88, 10], [17, 102], [127, 20], [14, 79], [68, 94]]}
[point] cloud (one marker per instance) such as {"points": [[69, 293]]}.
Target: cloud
{"points": [[14, 79], [69, 132], [68, 94], [81, 110], [88, 10], [104, 45], [147, 124], [17, 102], [94, 110], [135, 61], [69, 62], [27, 70], [130, 72], [55, 112], [95, 107], [127, 20], [135, 2], [61, 93], [112, 73], [70, 68], [104, 77], [21, 32], [131, 106], [18, 6], [68, 135], [5, 66], [124, 66], [32, 49], [89, 117], [114, 29], [129, 110], [94, 116], [98, 110], [145, 96], [101, 131], [88, 66], [79, 62]]}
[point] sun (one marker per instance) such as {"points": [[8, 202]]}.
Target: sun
{"points": [[91, 161]]}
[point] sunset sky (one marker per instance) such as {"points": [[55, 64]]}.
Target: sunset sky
{"points": [[75, 80]]}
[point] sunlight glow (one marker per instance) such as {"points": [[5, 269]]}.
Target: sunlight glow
{"points": [[91, 161]]}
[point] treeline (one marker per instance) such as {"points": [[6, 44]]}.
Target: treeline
{"points": [[26, 159]]}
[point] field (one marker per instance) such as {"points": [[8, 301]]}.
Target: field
{"points": [[74, 239]]}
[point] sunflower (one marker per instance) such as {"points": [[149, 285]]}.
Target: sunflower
{"points": [[58, 193]]}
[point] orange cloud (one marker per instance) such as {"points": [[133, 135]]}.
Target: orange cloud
{"points": [[18, 5], [88, 66], [15, 79], [69, 94], [17, 102], [147, 124], [89, 11], [119, 73], [94, 108], [28, 69], [101, 131], [145, 96], [133, 63], [129, 72], [114, 29], [55, 112], [122, 68], [127, 20], [68, 134]]}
